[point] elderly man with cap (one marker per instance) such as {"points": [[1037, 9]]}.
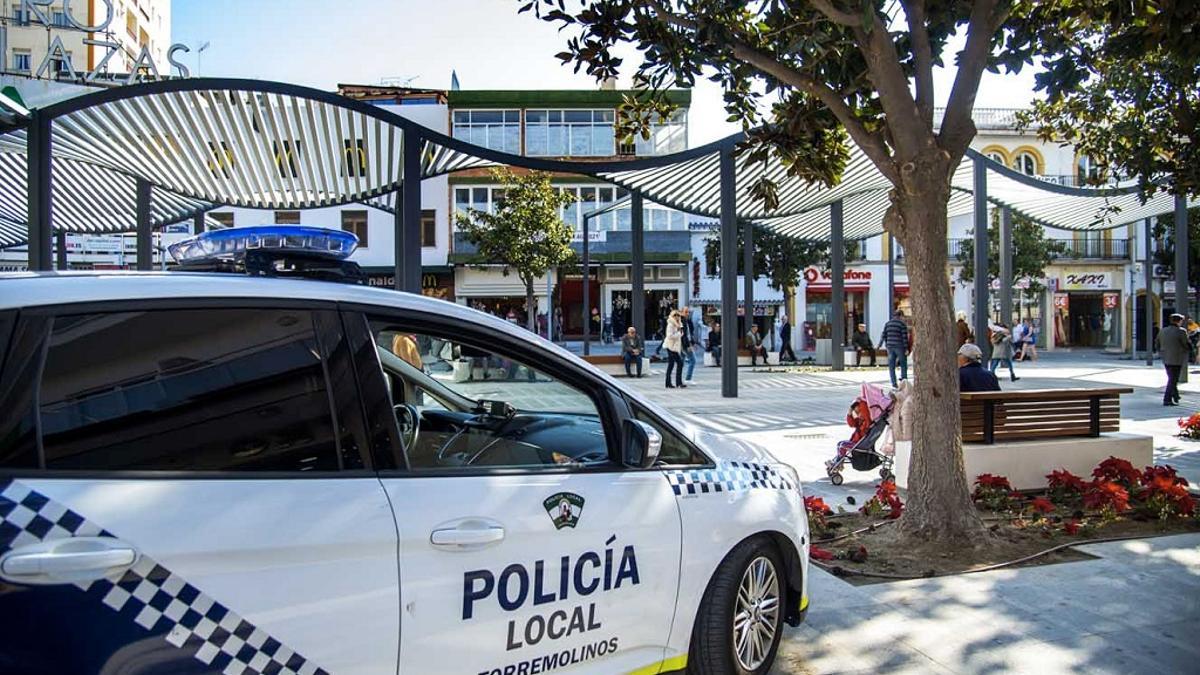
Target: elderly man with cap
{"points": [[972, 376], [1175, 349]]}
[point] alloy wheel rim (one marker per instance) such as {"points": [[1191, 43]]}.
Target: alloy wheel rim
{"points": [[756, 613]]}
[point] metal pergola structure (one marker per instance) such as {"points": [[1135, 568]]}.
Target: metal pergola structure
{"points": [[145, 155]]}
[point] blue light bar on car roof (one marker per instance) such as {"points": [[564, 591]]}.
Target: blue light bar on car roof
{"points": [[233, 243]]}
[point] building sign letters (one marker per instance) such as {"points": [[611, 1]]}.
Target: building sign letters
{"points": [[1094, 281], [814, 276]]}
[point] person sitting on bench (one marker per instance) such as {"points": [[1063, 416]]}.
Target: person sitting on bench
{"points": [[862, 345], [754, 344]]}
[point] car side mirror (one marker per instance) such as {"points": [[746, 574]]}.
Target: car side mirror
{"points": [[641, 444]]}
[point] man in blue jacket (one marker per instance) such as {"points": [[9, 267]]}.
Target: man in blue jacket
{"points": [[895, 338], [972, 376]]}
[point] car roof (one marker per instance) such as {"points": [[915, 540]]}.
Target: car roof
{"points": [[43, 289]]}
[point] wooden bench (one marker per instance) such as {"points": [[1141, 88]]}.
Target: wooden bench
{"points": [[990, 416], [743, 356]]}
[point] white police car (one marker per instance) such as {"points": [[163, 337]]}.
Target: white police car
{"points": [[205, 473]]}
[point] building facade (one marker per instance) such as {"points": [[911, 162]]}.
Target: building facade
{"points": [[65, 40]]}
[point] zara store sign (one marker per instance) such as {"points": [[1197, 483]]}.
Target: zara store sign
{"points": [[39, 13]]}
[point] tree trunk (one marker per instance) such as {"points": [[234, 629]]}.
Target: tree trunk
{"points": [[530, 308], [939, 502]]}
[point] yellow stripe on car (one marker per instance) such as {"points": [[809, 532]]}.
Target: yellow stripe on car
{"points": [[803, 603], [664, 666]]}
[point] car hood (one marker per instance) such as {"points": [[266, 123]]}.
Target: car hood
{"points": [[725, 448]]}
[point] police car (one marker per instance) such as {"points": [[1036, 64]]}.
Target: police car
{"points": [[219, 473]]}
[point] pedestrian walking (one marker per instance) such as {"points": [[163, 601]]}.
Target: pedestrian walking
{"points": [[862, 345], [965, 334], [895, 338], [785, 337], [673, 343], [689, 342], [1002, 350], [632, 347], [1174, 347], [754, 343], [714, 342]]}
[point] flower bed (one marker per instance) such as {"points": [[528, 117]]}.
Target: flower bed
{"points": [[1118, 501]]}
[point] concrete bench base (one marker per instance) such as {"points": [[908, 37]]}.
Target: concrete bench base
{"points": [[618, 368], [1026, 463], [772, 359]]}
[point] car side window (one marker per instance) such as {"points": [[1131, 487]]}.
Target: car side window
{"points": [[675, 450], [462, 407], [187, 390]]}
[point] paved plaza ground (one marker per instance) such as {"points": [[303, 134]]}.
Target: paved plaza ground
{"points": [[1134, 609]]}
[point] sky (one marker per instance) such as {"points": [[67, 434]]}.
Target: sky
{"points": [[420, 42]]}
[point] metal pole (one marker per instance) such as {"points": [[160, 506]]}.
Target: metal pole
{"points": [[729, 336], [1182, 248], [398, 241], [1148, 309], [981, 258], [748, 272], [550, 305], [409, 213], [837, 312], [1006, 266], [39, 183], [587, 284], [891, 260], [198, 223], [60, 250], [637, 305], [145, 233]]}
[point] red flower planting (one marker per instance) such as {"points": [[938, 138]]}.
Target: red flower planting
{"points": [[1071, 526], [1106, 495], [1065, 480], [1166, 498], [1189, 427], [818, 553], [987, 480], [885, 497], [817, 505], [1041, 505], [1118, 470], [1165, 471], [994, 492]]}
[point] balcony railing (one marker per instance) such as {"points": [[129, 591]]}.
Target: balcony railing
{"points": [[1079, 249]]}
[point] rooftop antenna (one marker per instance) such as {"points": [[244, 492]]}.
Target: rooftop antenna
{"points": [[397, 81]]}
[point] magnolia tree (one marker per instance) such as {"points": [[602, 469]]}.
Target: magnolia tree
{"points": [[807, 77], [525, 231]]}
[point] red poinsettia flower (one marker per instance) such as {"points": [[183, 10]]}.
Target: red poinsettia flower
{"points": [[1117, 470], [1102, 494], [1041, 505], [1164, 471], [987, 480], [1071, 526], [1062, 479], [818, 553], [1175, 495], [817, 505]]}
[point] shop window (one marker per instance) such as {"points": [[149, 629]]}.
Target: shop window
{"points": [[287, 217], [356, 222], [428, 227], [186, 390]]}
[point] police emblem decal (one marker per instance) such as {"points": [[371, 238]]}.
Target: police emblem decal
{"points": [[564, 509]]}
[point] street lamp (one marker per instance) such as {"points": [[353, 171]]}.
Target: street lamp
{"points": [[587, 265], [199, 51]]}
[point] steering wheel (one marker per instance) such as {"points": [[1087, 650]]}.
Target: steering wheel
{"points": [[409, 421]]}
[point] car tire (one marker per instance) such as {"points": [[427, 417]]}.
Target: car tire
{"points": [[719, 646]]}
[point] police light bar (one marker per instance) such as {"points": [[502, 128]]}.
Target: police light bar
{"points": [[234, 242]]}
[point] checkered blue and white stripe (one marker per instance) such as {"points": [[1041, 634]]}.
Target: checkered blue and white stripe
{"points": [[152, 596], [727, 477]]}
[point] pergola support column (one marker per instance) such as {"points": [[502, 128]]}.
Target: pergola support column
{"points": [[981, 258], [408, 216], [748, 272], [1006, 266], [637, 305], [587, 290], [198, 224], [1182, 248], [729, 336], [145, 232], [837, 312], [39, 184], [891, 259], [60, 251], [1148, 308]]}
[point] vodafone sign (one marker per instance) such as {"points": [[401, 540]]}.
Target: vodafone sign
{"points": [[816, 278]]}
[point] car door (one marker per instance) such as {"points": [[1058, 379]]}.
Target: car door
{"points": [[187, 490], [507, 564]]}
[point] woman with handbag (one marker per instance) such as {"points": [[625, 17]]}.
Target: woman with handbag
{"points": [[673, 343]]}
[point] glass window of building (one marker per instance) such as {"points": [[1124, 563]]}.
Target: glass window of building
{"points": [[356, 222], [492, 129], [287, 217], [570, 133], [1086, 169], [1026, 163], [997, 157], [428, 227], [58, 18], [667, 135], [225, 218], [22, 60]]}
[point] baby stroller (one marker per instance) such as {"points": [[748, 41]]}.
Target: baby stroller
{"points": [[868, 417]]}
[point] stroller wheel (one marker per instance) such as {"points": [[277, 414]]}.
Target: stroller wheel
{"points": [[886, 474], [836, 478]]}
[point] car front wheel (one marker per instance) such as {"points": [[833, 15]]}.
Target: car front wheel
{"points": [[740, 621]]}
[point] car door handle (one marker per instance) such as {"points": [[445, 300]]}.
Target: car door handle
{"points": [[67, 560], [459, 537]]}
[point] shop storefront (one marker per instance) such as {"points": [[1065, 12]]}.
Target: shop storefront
{"points": [[1087, 310], [434, 284], [819, 313]]}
